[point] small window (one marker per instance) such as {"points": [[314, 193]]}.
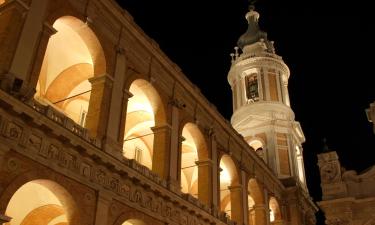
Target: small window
{"points": [[82, 118], [138, 154], [252, 92]]}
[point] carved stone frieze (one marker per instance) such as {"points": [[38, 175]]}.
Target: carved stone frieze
{"points": [[128, 188]]}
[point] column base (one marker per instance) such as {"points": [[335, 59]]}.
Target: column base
{"points": [[113, 148], [174, 186]]}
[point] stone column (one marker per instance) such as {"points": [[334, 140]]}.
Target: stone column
{"points": [[286, 92], [12, 17], [161, 151], [267, 206], [215, 174], [30, 40], [113, 139], [102, 208], [4, 219], [205, 181], [260, 214], [236, 203], [28, 87], [174, 170], [125, 99], [97, 115], [245, 206], [295, 213]]}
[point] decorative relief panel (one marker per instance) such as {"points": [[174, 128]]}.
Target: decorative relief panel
{"points": [[128, 190]]}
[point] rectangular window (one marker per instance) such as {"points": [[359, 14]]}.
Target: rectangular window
{"points": [[82, 118], [252, 91], [138, 154]]}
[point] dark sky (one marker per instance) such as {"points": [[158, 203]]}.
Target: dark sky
{"points": [[328, 47]]}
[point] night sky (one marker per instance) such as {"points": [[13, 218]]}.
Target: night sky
{"points": [[328, 47]]}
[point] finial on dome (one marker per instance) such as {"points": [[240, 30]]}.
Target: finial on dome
{"points": [[325, 145], [253, 33], [252, 4]]}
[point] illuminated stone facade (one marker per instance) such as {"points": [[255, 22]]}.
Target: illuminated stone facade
{"points": [[98, 126], [348, 197]]}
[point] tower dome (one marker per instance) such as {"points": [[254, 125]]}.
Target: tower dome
{"points": [[253, 33]]}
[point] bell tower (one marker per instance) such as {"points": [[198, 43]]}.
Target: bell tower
{"points": [[261, 107]]}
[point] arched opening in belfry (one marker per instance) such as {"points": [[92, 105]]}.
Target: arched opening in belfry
{"points": [[133, 222], [275, 214], [142, 115], [42, 202], [228, 182], [257, 212], [73, 56], [258, 146], [193, 155]]}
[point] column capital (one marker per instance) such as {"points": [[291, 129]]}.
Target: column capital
{"points": [[127, 94], [104, 78], [48, 29], [259, 207], [204, 162], [236, 187], [4, 218], [161, 128]]}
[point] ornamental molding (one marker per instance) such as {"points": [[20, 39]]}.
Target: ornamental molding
{"points": [[125, 180]]}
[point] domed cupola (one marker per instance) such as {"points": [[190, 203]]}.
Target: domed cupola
{"points": [[253, 33]]}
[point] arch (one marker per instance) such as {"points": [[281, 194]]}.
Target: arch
{"points": [[256, 143], [275, 213], [228, 178], [81, 27], [134, 222], [251, 211], [255, 191], [40, 202], [193, 149], [43, 215], [135, 217], [144, 111], [73, 56], [258, 214]]}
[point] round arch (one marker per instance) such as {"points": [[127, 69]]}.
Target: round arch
{"points": [[275, 213], [255, 191], [73, 56], [256, 143], [228, 178], [193, 150], [145, 110], [42, 201], [135, 217], [133, 222]]}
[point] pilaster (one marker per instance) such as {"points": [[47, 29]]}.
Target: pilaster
{"points": [[102, 208], [260, 214], [161, 152], [97, 115], [215, 173], [29, 41], [205, 181], [113, 139], [236, 203], [173, 181]]}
